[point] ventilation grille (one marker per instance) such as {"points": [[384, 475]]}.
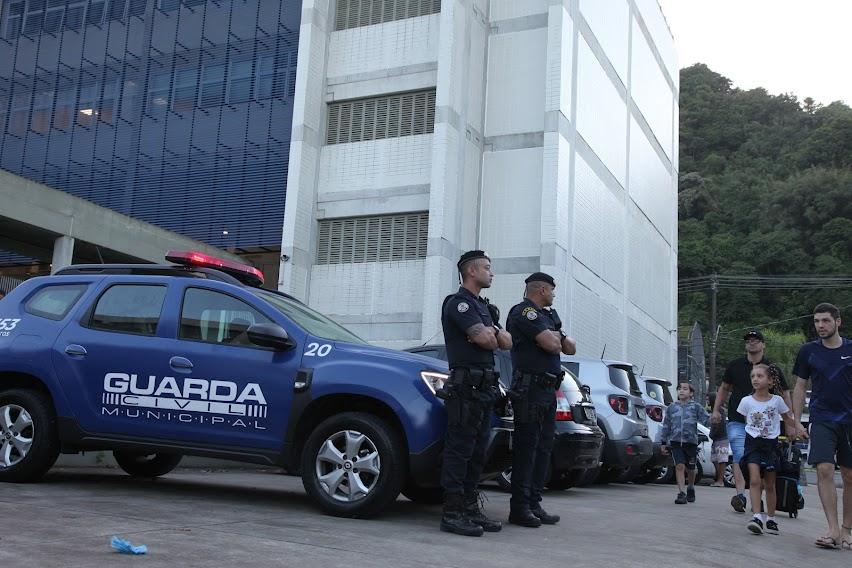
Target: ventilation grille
{"points": [[381, 117], [381, 238], [357, 13]]}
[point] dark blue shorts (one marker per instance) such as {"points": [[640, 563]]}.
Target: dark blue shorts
{"points": [[762, 452], [684, 453]]}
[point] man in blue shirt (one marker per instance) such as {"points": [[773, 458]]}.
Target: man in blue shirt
{"points": [[827, 364]]}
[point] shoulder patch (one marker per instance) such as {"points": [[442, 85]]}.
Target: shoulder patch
{"points": [[463, 307], [530, 313]]}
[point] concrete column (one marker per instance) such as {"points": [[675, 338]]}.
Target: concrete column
{"points": [[63, 252]]}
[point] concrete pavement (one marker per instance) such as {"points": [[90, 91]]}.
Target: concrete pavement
{"points": [[195, 517]]}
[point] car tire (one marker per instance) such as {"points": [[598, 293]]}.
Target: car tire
{"points": [[29, 436], [139, 464], [648, 476], [424, 495], [666, 475], [728, 476], [504, 479], [369, 437], [567, 480]]}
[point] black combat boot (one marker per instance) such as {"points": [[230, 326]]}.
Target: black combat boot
{"points": [[473, 510], [454, 519], [545, 517], [524, 517]]}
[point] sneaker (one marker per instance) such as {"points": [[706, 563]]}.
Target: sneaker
{"points": [[690, 494], [756, 526], [772, 527], [681, 498], [738, 502]]}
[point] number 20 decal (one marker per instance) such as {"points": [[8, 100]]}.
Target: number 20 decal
{"points": [[317, 350]]}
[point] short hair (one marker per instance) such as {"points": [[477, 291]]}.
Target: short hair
{"points": [[825, 307], [687, 383]]}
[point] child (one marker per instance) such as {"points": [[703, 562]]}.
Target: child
{"points": [[680, 433], [721, 449], [763, 412]]}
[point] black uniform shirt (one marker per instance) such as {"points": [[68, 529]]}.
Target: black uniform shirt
{"points": [[524, 322], [461, 311], [738, 376]]}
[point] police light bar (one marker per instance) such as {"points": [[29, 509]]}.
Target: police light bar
{"points": [[242, 272]]}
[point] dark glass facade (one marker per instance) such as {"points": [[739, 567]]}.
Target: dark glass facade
{"points": [[175, 112]]}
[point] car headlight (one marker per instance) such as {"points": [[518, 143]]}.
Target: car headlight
{"points": [[434, 380]]}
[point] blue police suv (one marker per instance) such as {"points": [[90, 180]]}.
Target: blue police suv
{"points": [[154, 362]]}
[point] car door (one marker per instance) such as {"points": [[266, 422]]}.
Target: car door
{"points": [[234, 393], [109, 348]]}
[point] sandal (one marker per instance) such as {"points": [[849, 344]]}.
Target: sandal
{"points": [[846, 541], [827, 542]]}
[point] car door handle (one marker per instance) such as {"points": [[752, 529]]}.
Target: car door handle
{"points": [[180, 363], [77, 350]]}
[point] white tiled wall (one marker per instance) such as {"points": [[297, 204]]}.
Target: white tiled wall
{"points": [[509, 9], [652, 93], [656, 23], [651, 182], [650, 268], [649, 350], [383, 46], [366, 288], [609, 21]]}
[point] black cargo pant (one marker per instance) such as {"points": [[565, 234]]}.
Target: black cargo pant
{"points": [[468, 432], [532, 445]]}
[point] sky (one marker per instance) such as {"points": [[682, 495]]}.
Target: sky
{"points": [[802, 47]]}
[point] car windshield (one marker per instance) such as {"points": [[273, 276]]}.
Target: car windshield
{"points": [[310, 320], [623, 378], [655, 391]]}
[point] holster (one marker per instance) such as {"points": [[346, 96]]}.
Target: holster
{"points": [[476, 378], [519, 395]]}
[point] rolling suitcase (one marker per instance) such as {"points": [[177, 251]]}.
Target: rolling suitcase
{"points": [[787, 494]]}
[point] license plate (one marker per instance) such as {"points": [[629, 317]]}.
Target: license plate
{"points": [[640, 412]]}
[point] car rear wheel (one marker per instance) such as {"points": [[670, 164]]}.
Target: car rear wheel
{"points": [[29, 442], [146, 465], [353, 465], [728, 477]]}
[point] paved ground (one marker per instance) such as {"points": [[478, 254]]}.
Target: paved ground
{"points": [[237, 518]]}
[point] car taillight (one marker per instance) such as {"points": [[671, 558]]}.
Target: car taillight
{"points": [[654, 412], [618, 403], [563, 407]]}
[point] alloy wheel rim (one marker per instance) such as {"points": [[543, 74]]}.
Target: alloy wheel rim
{"points": [[348, 466], [16, 434]]}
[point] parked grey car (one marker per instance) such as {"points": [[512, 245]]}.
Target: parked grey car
{"points": [[620, 412], [657, 396]]}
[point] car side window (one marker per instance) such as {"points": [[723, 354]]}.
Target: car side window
{"points": [[214, 317], [54, 302], [129, 308]]}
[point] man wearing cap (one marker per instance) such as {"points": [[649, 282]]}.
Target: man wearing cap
{"points": [[472, 332], [737, 384], [538, 340]]}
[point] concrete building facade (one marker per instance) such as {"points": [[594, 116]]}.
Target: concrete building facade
{"points": [[542, 131]]}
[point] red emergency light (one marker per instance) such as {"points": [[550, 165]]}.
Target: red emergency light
{"points": [[242, 272]]}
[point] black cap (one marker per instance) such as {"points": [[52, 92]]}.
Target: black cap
{"points": [[753, 334], [470, 255], [540, 277]]}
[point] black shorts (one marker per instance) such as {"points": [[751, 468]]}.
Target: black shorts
{"points": [[762, 452], [684, 453], [831, 441]]}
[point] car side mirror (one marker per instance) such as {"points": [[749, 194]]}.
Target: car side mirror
{"points": [[270, 335], [703, 438]]}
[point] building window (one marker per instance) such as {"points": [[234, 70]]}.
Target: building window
{"points": [[212, 85], [88, 104], [186, 90], [375, 118], [34, 17], [137, 7], [54, 15], [4, 106], [95, 13], [74, 15], [239, 81], [19, 114], [13, 16], [378, 238], [158, 92], [116, 9], [265, 77], [42, 104], [108, 108], [64, 105], [357, 13], [168, 5]]}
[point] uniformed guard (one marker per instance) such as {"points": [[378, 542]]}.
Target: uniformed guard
{"points": [[538, 340], [472, 332]]}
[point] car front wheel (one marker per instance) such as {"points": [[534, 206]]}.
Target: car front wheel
{"points": [[29, 442], [353, 465]]}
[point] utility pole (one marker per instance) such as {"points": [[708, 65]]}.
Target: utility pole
{"points": [[714, 334]]}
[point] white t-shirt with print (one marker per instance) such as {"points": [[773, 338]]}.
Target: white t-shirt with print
{"points": [[763, 418]]}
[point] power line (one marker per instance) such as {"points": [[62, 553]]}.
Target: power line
{"points": [[767, 324]]}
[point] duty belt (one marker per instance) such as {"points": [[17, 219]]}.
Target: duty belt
{"points": [[479, 378], [544, 380]]}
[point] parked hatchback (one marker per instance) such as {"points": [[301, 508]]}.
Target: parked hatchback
{"points": [[620, 412], [579, 441], [657, 396]]}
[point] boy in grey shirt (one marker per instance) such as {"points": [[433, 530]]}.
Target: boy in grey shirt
{"points": [[680, 433]]}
